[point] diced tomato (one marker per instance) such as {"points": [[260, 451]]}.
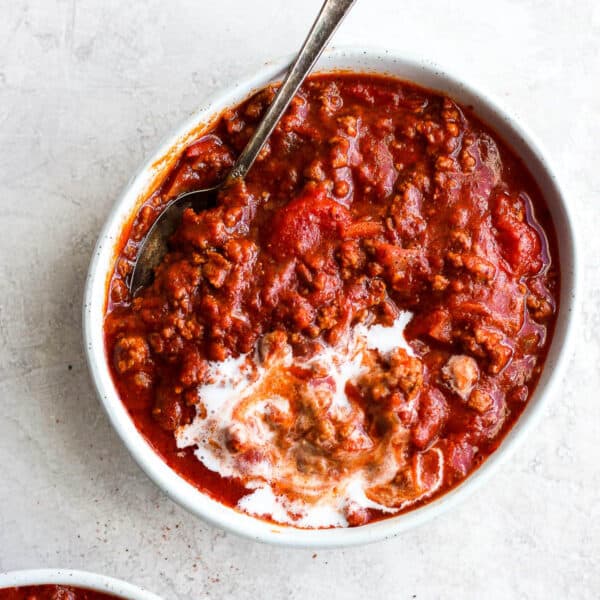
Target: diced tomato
{"points": [[519, 242], [433, 411], [304, 223]]}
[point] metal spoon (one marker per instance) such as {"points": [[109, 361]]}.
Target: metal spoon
{"points": [[154, 246]]}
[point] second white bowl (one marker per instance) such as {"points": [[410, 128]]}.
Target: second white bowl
{"points": [[80, 579]]}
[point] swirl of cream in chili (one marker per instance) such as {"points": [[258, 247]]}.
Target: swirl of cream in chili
{"points": [[353, 329]]}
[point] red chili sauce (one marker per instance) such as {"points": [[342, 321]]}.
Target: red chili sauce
{"points": [[373, 196], [52, 592]]}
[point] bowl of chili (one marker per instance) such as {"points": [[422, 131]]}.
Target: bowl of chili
{"points": [[356, 337], [59, 584]]}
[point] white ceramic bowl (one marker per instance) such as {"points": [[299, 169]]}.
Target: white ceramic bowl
{"points": [[82, 579], [380, 61]]}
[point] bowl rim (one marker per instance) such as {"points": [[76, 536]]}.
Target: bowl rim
{"points": [[362, 59], [77, 578]]}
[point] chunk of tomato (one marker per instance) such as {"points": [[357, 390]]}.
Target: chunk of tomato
{"points": [[305, 223]]}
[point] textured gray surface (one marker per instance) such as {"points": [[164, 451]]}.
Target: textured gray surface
{"points": [[87, 89]]}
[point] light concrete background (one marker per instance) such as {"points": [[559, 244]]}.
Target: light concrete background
{"points": [[87, 89]]}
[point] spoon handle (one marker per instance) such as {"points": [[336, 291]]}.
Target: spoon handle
{"points": [[330, 16]]}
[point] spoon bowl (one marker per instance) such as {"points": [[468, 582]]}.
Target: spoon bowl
{"points": [[155, 244]]}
